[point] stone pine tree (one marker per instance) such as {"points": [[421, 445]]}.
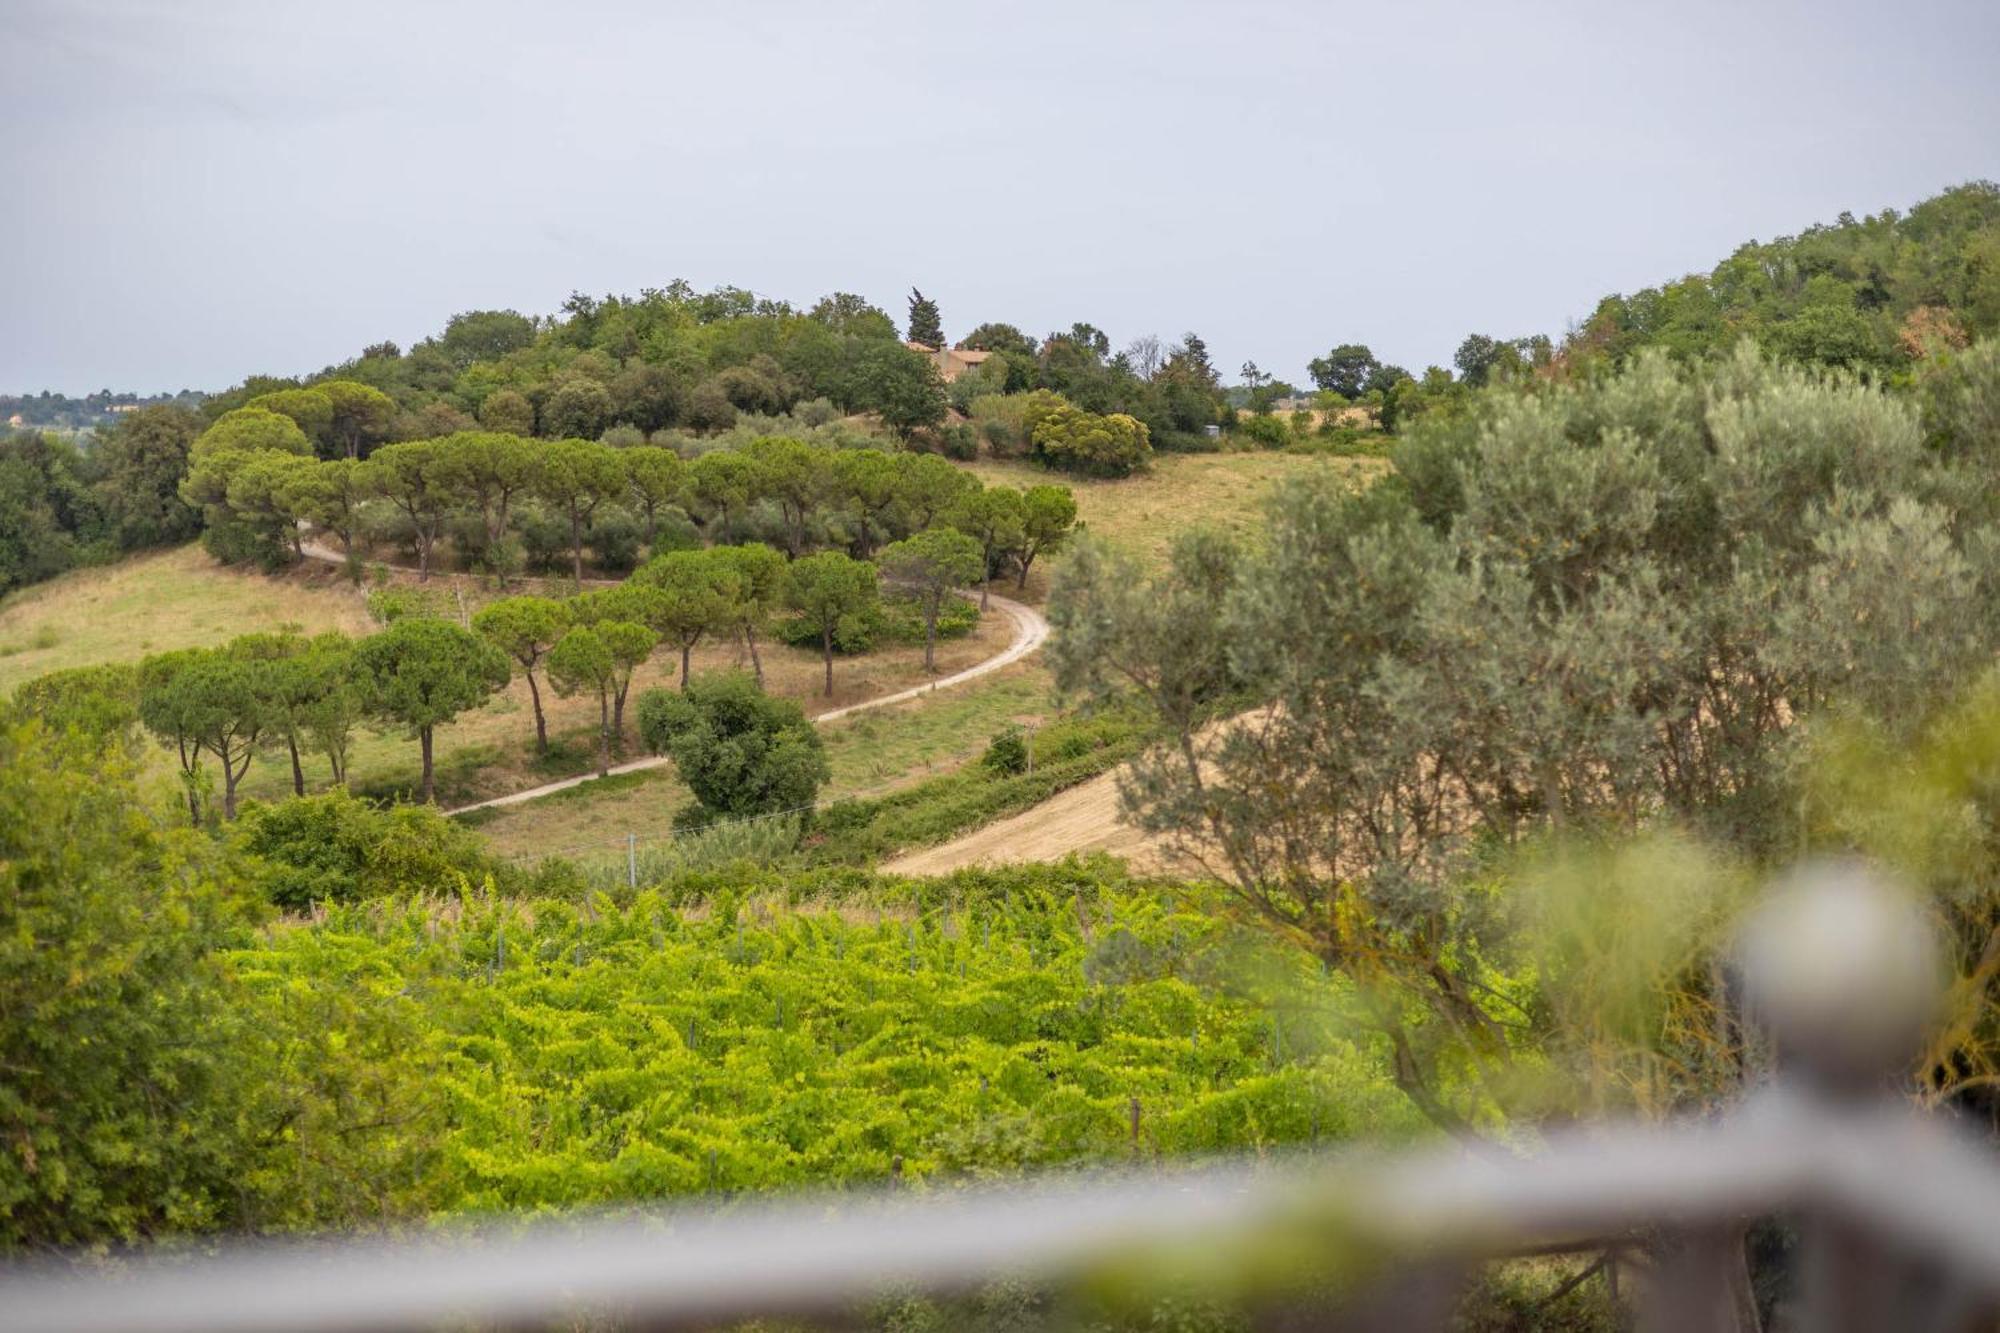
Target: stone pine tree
{"points": [[420, 672], [931, 565], [826, 589], [925, 325], [525, 628]]}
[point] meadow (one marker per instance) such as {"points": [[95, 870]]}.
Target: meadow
{"points": [[1143, 512]]}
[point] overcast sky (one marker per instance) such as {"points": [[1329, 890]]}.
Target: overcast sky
{"points": [[199, 191]]}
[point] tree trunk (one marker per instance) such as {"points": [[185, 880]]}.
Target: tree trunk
{"points": [[187, 781], [826, 642], [298, 774], [756, 662], [687, 653], [230, 773], [1022, 582], [618, 716], [576, 545], [430, 793], [986, 584], [541, 723], [423, 557], [603, 736], [930, 642]]}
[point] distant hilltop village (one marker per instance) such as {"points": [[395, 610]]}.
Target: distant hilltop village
{"points": [[55, 411]]}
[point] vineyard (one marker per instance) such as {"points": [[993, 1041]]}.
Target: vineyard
{"points": [[733, 1035]]}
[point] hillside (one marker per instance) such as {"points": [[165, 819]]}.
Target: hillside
{"points": [[1872, 293]]}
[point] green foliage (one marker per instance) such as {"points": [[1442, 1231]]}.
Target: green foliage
{"points": [[49, 518], [336, 848], [420, 673], [1112, 445], [930, 566], [596, 1055], [1007, 753], [141, 461], [826, 590], [925, 327], [99, 703], [525, 628], [1066, 753], [739, 750], [1860, 294], [123, 1107], [1592, 608]]}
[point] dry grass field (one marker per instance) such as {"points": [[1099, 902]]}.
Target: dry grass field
{"points": [[164, 600], [1142, 513]]}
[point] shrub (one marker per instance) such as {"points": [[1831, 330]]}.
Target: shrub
{"points": [[1265, 431], [1104, 446], [895, 619], [739, 750], [335, 847], [614, 541], [1007, 753]]}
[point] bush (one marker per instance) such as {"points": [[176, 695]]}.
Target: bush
{"points": [[1102, 446], [1265, 431], [739, 750], [545, 547], [1007, 753], [959, 440], [614, 541], [337, 848]]}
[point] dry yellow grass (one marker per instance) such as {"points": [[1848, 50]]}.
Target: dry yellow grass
{"points": [[1143, 513], [160, 601]]}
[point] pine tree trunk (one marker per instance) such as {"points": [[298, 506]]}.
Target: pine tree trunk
{"points": [[687, 654], [826, 642], [603, 735], [576, 545], [756, 662], [930, 643], [541, 722], [298, 774], [430, 793]]}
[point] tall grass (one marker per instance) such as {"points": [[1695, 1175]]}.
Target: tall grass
{"points": [[755, 842]]}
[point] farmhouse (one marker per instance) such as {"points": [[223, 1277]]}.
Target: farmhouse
{"points": [[950, 361]]}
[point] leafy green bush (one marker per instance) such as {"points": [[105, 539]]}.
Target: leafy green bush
{"points": [[739, 750], [1007, 753], [334, 847]]}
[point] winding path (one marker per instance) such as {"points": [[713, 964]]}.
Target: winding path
{"points": [[1031, 630]]}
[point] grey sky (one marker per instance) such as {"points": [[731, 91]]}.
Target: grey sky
{"points": [[198, 191]]}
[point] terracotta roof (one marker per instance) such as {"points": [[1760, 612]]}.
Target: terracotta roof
{"points": [[970, 356]]}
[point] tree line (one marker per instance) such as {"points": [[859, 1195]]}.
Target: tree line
{"points": [[929, 527]]}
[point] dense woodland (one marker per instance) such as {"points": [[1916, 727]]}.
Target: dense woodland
{"points": [[1472, 766]]}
